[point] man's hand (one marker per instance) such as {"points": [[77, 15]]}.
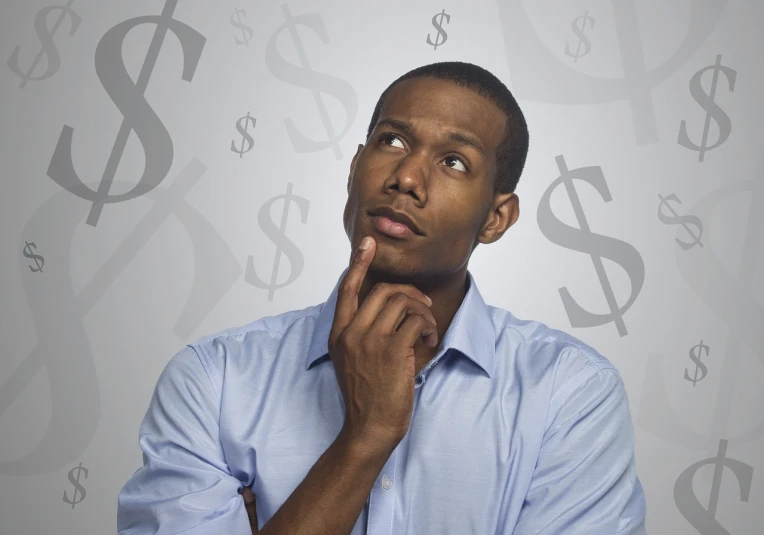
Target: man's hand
{"points": [[249, 503]]}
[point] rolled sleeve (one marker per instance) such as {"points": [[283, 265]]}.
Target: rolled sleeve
{"points": [[585, 481], [184, 485]]}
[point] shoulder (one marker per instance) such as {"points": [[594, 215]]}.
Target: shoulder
{"points": [[565, 364]]}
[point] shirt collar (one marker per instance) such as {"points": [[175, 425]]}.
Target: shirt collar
{"points": [[471, 332]]}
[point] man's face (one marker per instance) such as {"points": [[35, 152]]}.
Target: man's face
{"points": [[444, 185]]}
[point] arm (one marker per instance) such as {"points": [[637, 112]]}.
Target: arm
{"points": [[585, 481], [184, 484], [331, 497]]}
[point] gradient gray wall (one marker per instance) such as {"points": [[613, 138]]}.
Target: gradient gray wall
{"points": [[171, 169]]}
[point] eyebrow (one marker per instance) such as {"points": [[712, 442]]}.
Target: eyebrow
{"points": [[462, 139]]}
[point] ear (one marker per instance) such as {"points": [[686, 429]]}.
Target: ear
{"points": [[352, 163]]}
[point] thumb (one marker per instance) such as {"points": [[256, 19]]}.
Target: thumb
{"points": [[249, 503]]}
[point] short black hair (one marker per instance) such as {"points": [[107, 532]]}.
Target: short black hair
{"points": [[512, 150]]}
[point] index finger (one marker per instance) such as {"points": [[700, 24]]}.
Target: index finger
{"points": [[347, 293]]}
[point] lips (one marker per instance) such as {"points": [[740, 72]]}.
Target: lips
{"points": [[398, 217]]}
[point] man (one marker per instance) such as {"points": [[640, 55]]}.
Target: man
{"points": [[463, 419]]}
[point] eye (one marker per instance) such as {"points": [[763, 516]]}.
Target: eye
{"points": [[452, 157], [385, 136]]}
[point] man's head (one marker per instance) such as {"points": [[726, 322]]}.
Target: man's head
{"points": [[446, 145]]}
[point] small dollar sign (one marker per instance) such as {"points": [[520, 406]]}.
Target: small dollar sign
{"points": [[278, 236], [129, 97], [698, 364], [39, 260], [48, 46], [318, 83], [245, 29], [582, 39], [241, 126], [712, 109], [439, 26], [704, 519], [683, 220], [596, 245], [76, 482]]}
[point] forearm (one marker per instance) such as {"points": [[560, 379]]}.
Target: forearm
{"points": [[331, 497]]}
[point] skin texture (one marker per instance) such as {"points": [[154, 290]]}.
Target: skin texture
{"points": [[452, 201], [420, 173]]}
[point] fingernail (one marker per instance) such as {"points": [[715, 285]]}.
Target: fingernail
{"points": [[366, 243], [428, 299]]}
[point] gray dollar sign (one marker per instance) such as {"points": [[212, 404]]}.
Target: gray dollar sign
{"points": [[48, 46], [245, 29], [596, 245], [683, 220], [283, 244], [439, 26], [540, 76], [138, 114], [698, 364], [730, 296], [77, 486], [704, 519], [241, 126], [582, 39], [59, 313], [39, 260], [318, 83], [711, 107]]}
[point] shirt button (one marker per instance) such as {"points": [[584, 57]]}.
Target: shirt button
{"points": [[386, 482]]}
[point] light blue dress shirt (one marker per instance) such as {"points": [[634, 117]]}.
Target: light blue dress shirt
{"points": [[517, 429]]}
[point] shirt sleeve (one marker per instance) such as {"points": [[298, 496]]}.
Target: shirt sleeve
{"points": [[585, 481], [184, 485]]}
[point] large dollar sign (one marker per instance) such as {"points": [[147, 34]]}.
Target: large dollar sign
{"points": [[539, 75], [684, 220], [711, 107], [38, 260], [596, 245], [730, 297], [59, 314], [283, 244], [77, 486], [698, 364], [241, 126], [582, 39], [306, 77], [439, 26], [704, 519], [48, 46], [139, 116], [245, 29]]}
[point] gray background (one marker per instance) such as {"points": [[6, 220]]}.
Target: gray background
{"points": [[84, 339]]}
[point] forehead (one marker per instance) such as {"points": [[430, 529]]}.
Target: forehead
{"points": [[432, 105]]}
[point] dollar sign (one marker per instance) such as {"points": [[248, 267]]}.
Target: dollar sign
{"points": [[245, 29], [241, 126], [63, 349], [702, 519], [318, 83], [76, 482], [278, 236], [48, 46], [138, 115], [581, 37], [39, 260], [582, 239], [680, 220], [546, 79], [698, 363], [730, 296], [439, 26], [712, 109]]}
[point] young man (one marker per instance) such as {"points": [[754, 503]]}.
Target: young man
{"points": [[403, 404]]}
